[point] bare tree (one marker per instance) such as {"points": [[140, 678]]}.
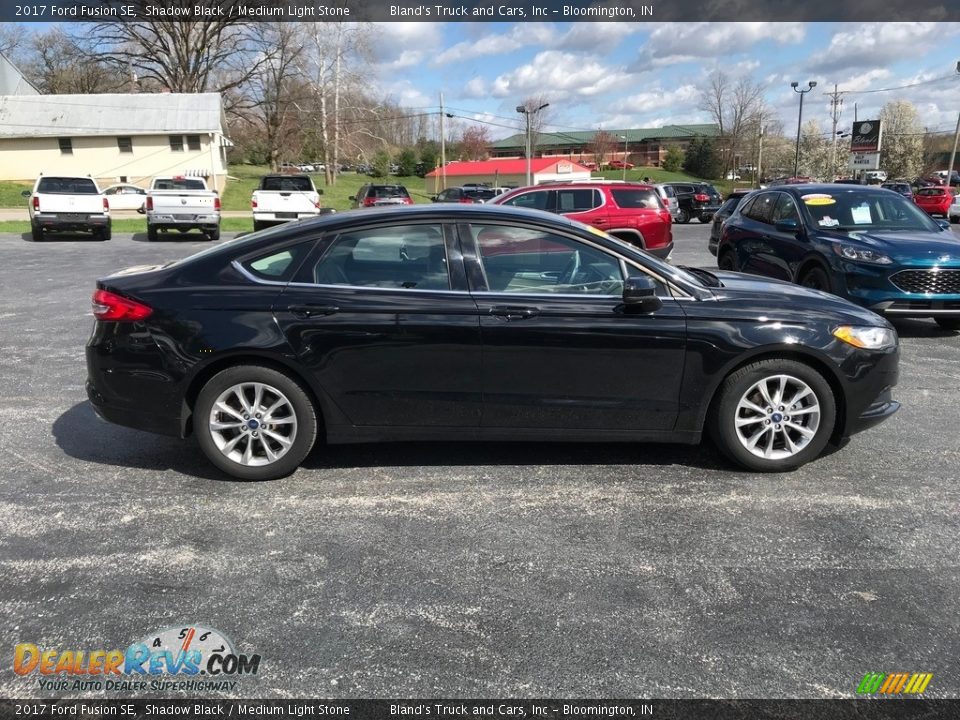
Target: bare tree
{"points": [[716, 96], [475, 142], [58, 63], [11, 39], [602, 144], [188, 56], [901, 151]]}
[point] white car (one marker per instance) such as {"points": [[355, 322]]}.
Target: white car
{"points": [[125, 197], [954, 212]]}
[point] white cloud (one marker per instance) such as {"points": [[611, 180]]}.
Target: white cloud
{"points": [[880, 43], [560, 75], [520, 35], [398, 45], [673, 43], [475, 88]]}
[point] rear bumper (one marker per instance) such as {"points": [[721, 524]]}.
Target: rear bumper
{"points": [[662, 252], [53, 221], [136, 418], [183, 220], [271, 217]]}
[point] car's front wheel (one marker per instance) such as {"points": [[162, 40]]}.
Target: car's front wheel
{"points": [[773, 415], [727, 261], [254, 422], [816, 278]]}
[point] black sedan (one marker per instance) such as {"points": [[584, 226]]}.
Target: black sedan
{"points": [[462, 322]]}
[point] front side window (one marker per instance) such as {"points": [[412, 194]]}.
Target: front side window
{"points": [[761, 209], [410, 257], [534, 200], [786, 209], [523, 260]]}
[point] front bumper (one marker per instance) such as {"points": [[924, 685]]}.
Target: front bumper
{"points": [[873, 286]]}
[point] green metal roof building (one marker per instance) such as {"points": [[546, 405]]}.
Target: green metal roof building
{"points": [[644, 146]]}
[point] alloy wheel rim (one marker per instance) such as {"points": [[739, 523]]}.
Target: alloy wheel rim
{"points": [[777, 417], [253, 424]]}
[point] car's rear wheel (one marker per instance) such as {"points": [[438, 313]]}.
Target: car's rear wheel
{"points": [[258, 226], [151, 234], [104, 233], [213, 235], [705, 217], [255, 423], [816, 278], [727, 261], [36, 232], [948, 323], [774, 415], [683, 216]]}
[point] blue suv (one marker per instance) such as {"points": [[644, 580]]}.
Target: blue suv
{"points": [[869, 245]]}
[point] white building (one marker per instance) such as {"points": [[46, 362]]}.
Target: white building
{"points": [[113, 137]]}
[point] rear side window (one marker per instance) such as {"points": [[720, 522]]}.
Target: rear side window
{"points": [[297, 184], [577, 200], [410, 257], [67, 186], [278, 265], [630, 199]]}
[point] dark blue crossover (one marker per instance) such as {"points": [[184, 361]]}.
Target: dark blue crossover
{"points": [[866, 244]]}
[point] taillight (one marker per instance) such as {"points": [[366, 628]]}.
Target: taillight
{"points": [[253, 202], [149, 203], [700, 197], [367, 202], [408, 201], [216, 203], [36, 203], [106, 205], [110, 306]]}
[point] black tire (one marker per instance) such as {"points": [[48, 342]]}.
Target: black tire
{"points": [[948, 323], [727, 261], [151, 233], [816, 278], [303, 410], [213, 235], [258, 225], [705, 218], [104, 233], [954, 219], [36, 232], [724, 414], [683, 216]]}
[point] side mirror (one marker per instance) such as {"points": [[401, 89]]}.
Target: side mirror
{"points": [[319, 191], [787, 226], [640, 295], [26, 193], [434, 198], [944, 224]]}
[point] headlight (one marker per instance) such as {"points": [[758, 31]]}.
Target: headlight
{"points": [[869, 338], [851, 252]]}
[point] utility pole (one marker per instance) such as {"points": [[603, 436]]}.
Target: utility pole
{"points": [[443, 149], [759, 154], [796, 88], [836, 107], [956, 139]]}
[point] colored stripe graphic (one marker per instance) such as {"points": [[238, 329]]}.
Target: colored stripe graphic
{"points": [[894, 683]]}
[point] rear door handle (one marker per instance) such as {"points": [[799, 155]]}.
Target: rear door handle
{"points": [[307, 311], [515, 313]]}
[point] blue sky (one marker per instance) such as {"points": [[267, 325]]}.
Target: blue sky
{"points": [[647, 74]]}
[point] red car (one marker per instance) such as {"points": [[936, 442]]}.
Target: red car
{"points": [[630, 211], [620, 165], [934, 200]]}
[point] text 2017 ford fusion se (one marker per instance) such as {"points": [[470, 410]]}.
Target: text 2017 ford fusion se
{"points": [[455, 322]]}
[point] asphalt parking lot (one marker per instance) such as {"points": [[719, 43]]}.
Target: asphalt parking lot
{"points": [[487, 570]]}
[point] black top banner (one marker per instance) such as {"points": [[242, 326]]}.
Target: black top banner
{"points": [[477, 10], [872, 709]]}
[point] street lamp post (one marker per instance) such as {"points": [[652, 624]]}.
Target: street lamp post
{"points": [[527, 114], [625, 154], [956, 139], [795, 85]]}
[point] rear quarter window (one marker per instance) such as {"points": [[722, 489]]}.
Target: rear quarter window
{"points": [[277, 265], [632, 199]]}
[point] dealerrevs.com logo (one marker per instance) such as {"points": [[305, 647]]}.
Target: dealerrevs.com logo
{"points": [[894, 683], [177, 651]]}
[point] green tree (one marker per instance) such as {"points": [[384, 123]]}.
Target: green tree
{"points": [[702, 159], [428, 158], [673, 160], [381, 164], [407, 161]]}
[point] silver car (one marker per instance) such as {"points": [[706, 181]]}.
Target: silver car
{"points": [[669, 198]]}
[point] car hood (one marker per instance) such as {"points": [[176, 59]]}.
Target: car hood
{"points": [[769, 293], [907, 247]]}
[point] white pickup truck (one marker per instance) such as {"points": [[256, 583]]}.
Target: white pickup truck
{"points": [[67, 204], [281, 198], [182, 204]]}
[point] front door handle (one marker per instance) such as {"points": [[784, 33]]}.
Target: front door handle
{"points": [[308, 311], [515, 313]]}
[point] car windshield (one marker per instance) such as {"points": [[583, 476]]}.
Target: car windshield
{"points": [[853, 210]]}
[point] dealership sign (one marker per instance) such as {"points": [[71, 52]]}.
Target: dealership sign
{"points": [[866, 137], [864, 161]]}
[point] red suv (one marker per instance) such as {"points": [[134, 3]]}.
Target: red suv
{"points": [[630, 211], [934, 200]]}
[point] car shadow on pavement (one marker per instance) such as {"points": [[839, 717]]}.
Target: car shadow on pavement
{"points": [[920, 328], [171, 237], [82, 435], [61, 237]]}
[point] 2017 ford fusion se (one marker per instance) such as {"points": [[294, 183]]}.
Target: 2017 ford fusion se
{"points": [[461, 322]]}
